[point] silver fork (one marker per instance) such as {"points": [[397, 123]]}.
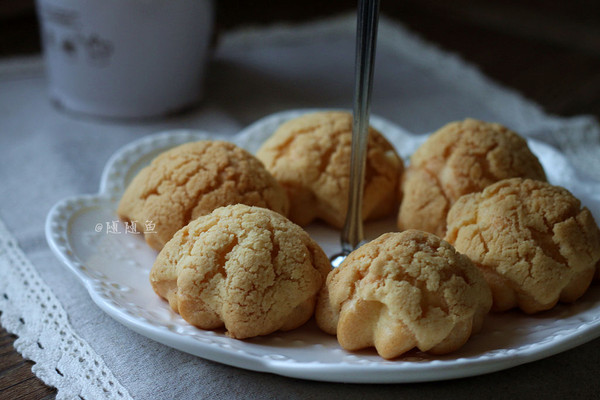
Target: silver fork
{"points": [[366, 39]]}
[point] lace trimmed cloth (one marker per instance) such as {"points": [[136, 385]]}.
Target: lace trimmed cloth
{"points": [[31, 311]]}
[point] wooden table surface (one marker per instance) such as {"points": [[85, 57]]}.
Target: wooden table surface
{"points": [[547, 50]]}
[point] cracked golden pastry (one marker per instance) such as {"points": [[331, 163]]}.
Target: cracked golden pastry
{"points": [[533, 242], [310, 157], [193, 179], [248, 269], [404, 290], [460, 158]]}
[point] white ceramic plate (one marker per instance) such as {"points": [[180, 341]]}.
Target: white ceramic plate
{"points": [[114, 268]]}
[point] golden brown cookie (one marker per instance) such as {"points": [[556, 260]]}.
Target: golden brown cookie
{"points": [[248, 269], [533, 242], [310, 157], [460, 158], [404, 290], [193, 179]]}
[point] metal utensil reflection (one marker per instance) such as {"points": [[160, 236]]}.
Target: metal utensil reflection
{"points": [[366, 38]]}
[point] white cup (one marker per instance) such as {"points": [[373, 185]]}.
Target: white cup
{"points": [[126, 58]]}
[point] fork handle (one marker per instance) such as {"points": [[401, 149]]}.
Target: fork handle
{"points": [[366, 39]]}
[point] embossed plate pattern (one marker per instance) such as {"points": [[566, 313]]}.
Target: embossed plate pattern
{"points": [[114, 267]]}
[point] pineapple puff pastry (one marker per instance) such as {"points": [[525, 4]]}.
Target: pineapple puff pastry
{"points": [[533, 242], [460, 158], [248, 269], [193, 179], [404, 290], [310, 157]]}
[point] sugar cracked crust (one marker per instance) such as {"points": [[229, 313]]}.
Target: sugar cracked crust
{"points": [[246, 268], [310, 157], [404, 290], [533, 242], [460, 158], [193, 179]]}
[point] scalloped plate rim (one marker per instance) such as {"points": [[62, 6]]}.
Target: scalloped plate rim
{"points": [[386, 372]]}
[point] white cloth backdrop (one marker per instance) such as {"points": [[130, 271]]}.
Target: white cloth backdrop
{"points": [[46, 155]]}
